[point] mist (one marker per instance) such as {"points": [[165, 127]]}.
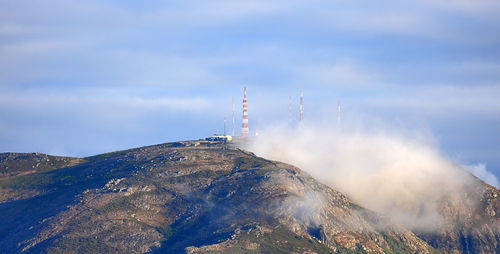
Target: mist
{"points": [[402, 177]]}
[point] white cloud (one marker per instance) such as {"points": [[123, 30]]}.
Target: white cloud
{"points": [[441, 20], [189, 104], [404, 178], [344, 73], [438, 99], [11, 29], [480, 171], [384, 21], [479, 8], [479, 68], [100, 101], [37, 46]]}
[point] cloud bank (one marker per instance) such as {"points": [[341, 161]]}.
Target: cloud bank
{"points": [[398, 176]]}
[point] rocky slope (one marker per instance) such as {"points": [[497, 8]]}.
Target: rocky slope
{"points": [[200, 197], [471, 221]]}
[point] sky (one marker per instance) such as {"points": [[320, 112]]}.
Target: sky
{"points": [[79, 78]]}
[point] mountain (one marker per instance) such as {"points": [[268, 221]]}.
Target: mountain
{"points": [[205, 197]]}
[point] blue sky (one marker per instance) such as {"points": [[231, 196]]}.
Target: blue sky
{"points": [[84, 77]]}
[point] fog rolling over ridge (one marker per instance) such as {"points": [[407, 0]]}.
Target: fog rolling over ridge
{"points": [[403, 178]]}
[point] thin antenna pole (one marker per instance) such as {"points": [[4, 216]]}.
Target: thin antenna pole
{"points": [[301, 108], [224, 126], [339, 108], [234, 116]]}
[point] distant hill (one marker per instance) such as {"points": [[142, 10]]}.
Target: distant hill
{"points": [[209, 198]]}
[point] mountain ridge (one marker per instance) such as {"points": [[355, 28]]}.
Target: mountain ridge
{"points": [[195, 197]]}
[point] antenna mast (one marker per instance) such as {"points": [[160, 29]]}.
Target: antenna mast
{"points": [[301, 108], [224, 126], [244, 126], [338, 112], [234, 115]]}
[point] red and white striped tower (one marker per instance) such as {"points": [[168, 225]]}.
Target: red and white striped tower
{"points": [[244, 126]]}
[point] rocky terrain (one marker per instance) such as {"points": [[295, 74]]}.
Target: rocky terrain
{"points": [[204, 197], [471, 221]]}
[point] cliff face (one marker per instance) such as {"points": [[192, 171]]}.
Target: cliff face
{"points": [[203, 198]]}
